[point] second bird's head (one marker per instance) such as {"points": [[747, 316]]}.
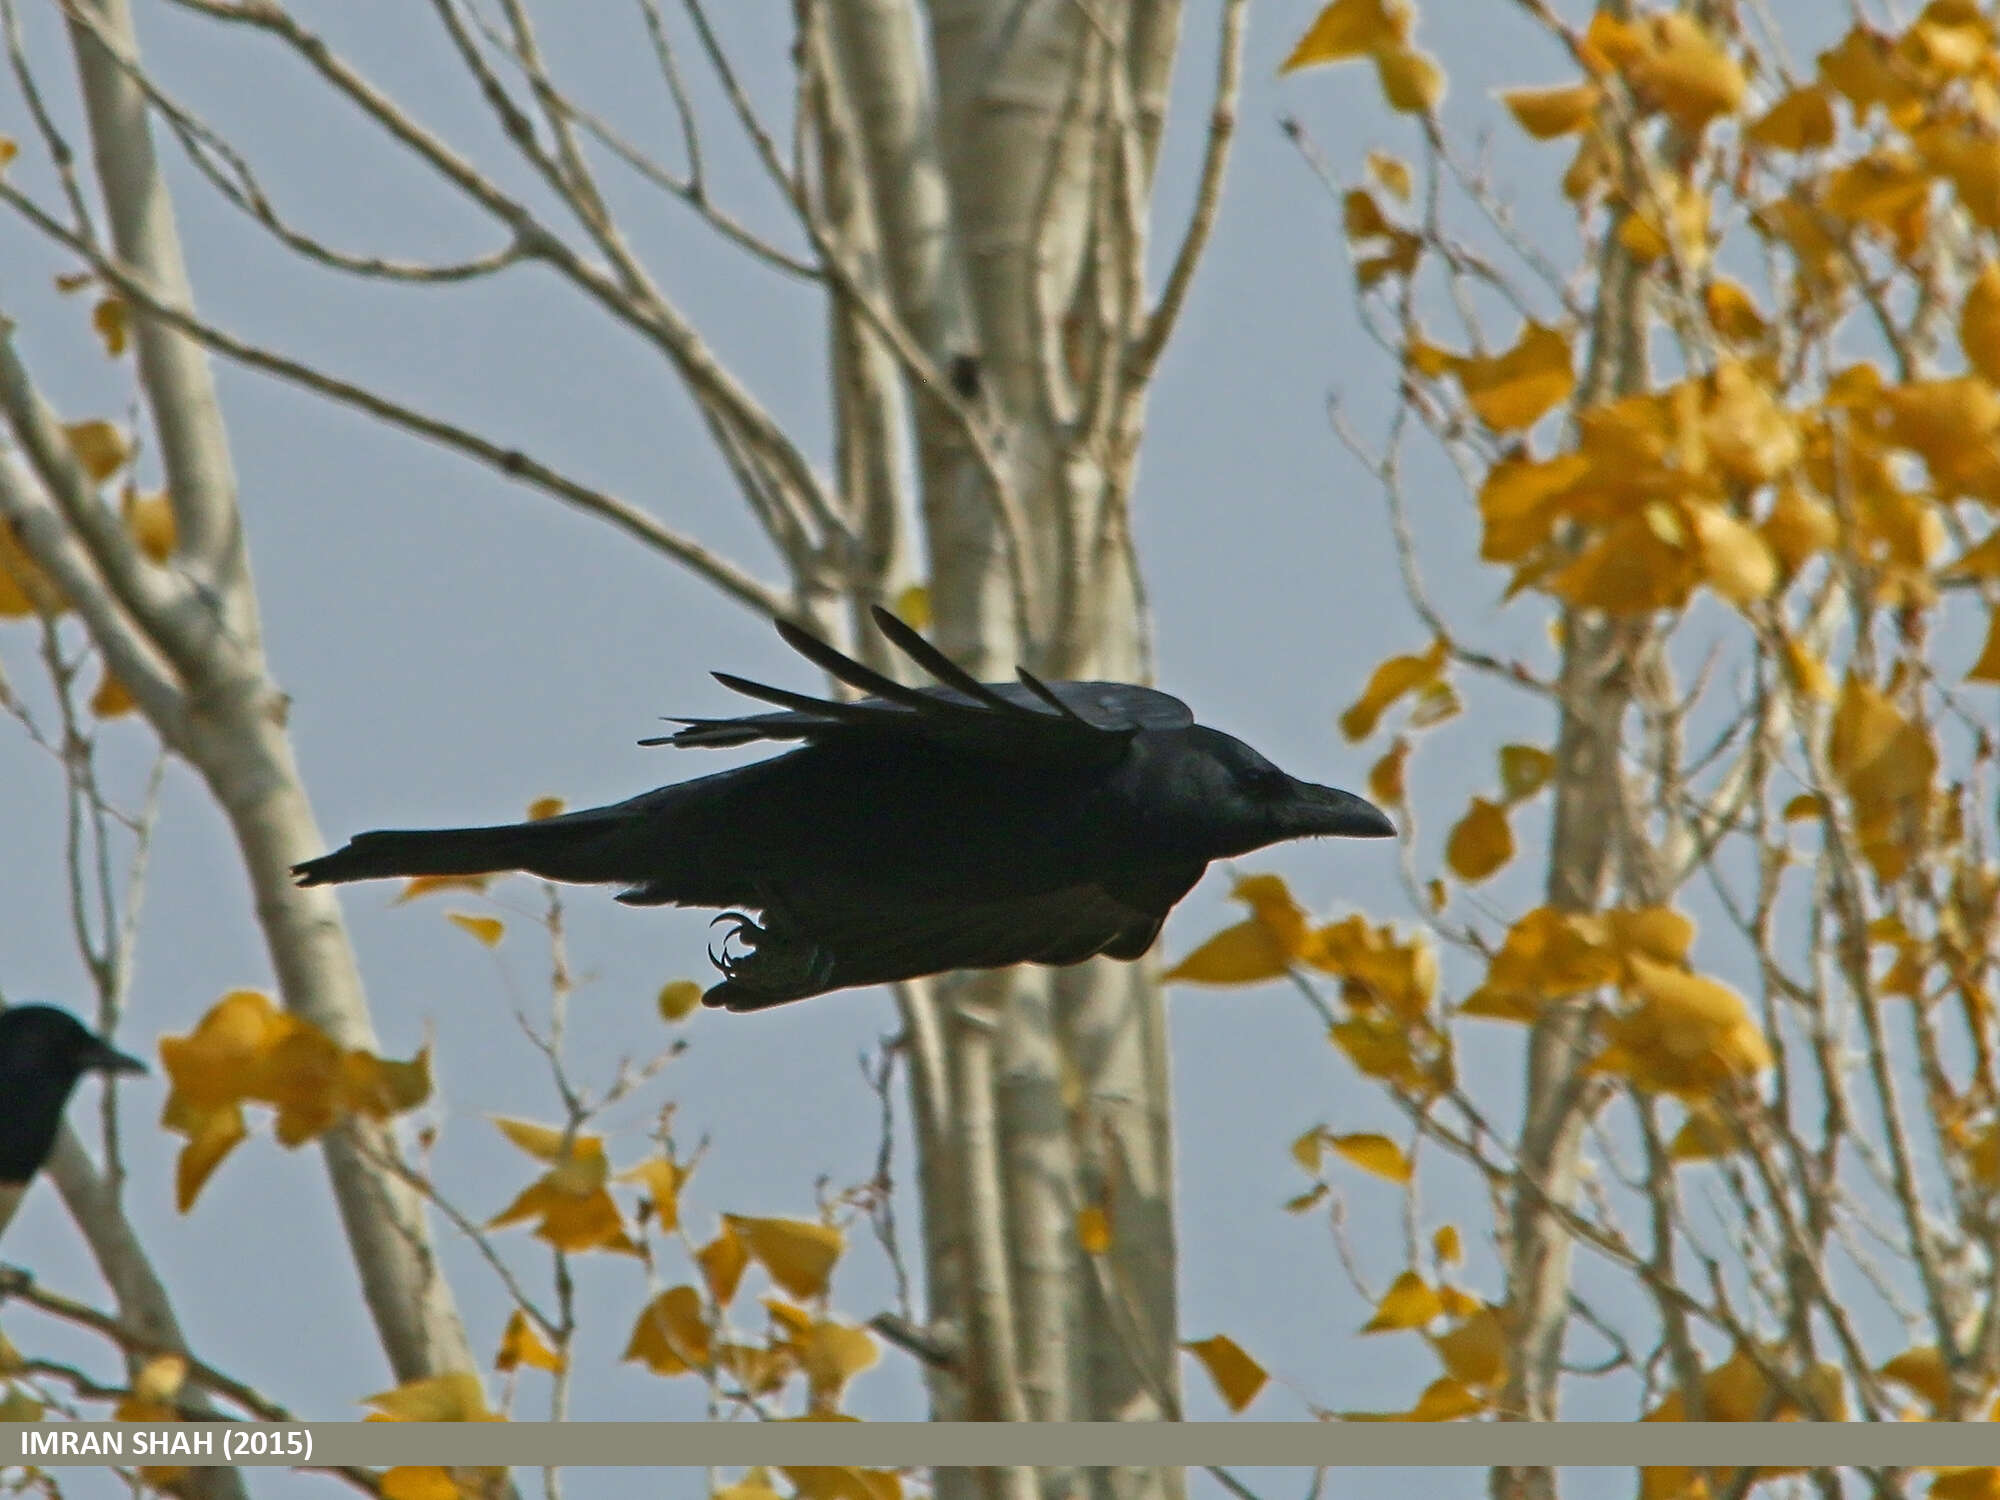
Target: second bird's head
{"points": [[43, 1052], [1243, 802]]}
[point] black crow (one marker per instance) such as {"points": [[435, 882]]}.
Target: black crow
{"points": [[43, 1051], [967, 825]]}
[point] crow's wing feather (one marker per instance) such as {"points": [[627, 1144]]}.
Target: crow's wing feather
{"points": [[1077, 722]]}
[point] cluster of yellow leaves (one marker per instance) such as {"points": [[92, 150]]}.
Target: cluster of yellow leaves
{"points": [[101, 448], [571, 1203], [1650, 502], [1378, 30], [1679, 1032], [1741, 1389], [456, 1396], [1468, 1335], [1388, 982], [678, 1332], [1482, 842], [247, 1051]]}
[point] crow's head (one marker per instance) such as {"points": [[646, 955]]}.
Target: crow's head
{"points": [[43, 1051], [1240, 801]]}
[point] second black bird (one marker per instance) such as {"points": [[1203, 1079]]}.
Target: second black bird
{"points": [[43, 1052], [966, 825]]}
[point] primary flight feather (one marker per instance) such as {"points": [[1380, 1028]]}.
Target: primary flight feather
{"points": [[916, 830]]}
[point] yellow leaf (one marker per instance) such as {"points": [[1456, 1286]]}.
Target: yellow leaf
{"points": [[1797, 528], [1410, 1302], [1390, 681], [1552, 112], [1246, 953], [452, 1397], [1749, 435], [678, 999], [1520, 502], [1801, 121], [1687, 1035], [1685, 230], [1804, 807], [1921, 1369], [1481, 843], [419, 1482], [1979, 322], [1305, 1150], [1445, 1245], [662, 1179], [1474, 1352], [1732, 313], [1808, 671], [1703, 1136], [1684, 70], [798, 1255], [149, 521], [544, 807], [1361, 217], [913, 606], [1374, 1153], [99, 446], [1864, 70], [831, 1354], [1385, 777], [1238, 1378], [113, 323], [1524, 771], [671, 1337], [1348, 29], [1393, 173], [548, 1143], [111, 699], [1987, 667], [213, 1138], [1446, 1400], [1961, 1483], [24, 588], [424, 885], [1093, 1230], [722, 1261], [489, 930], [380, 1087], [1308, 1199], [1982, 560], [521, 1345], [1412, 81], [1512, 391], [1735, 561]]}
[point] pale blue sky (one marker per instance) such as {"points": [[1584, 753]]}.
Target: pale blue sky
{"points": [[455, 646]]}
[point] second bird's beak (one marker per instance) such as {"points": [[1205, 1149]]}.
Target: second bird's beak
{"points": [[104, 1058], [1337, 814]]}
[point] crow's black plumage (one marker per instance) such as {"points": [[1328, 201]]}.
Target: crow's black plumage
{"points": [[43, 1052], [966, 825]]}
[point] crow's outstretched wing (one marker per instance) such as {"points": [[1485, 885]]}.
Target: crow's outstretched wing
{"points": [[836, 949], [1031, 720]]}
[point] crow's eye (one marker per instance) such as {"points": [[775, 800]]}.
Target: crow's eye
{"points": [[1261, 781]]}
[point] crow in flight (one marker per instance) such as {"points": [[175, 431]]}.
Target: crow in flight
{"points": [[43, 1051], [966, 825]]}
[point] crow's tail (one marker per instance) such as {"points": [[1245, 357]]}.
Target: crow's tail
{"points": [[574, 848]]}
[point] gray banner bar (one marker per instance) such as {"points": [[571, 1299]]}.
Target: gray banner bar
{"points": [[978, 1444]]}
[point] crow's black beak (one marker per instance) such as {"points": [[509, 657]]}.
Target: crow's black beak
{"points": [[1339, 814], [104, 1058]]}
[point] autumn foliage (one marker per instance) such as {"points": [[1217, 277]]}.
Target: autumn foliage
{"points": [[1743, 456]]}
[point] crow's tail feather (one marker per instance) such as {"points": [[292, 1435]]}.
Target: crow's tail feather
{"points": [[555, 848]]}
